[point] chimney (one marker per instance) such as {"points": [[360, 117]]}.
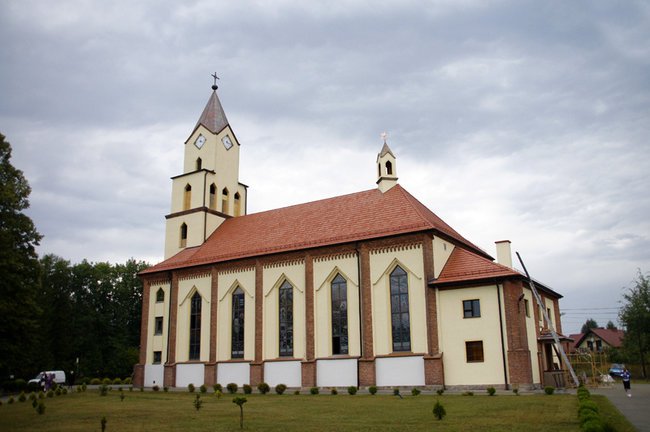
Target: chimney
{"points": [[504, 255]]}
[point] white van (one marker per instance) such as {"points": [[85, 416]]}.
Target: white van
{"points": [[59, 377]]}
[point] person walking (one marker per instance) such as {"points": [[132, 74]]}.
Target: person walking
{"points": [[626, 381]]}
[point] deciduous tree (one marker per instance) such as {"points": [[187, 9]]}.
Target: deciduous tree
{"points": [[635, 316]]}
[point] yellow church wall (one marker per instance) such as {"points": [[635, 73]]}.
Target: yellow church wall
{"points": [[228, 282], [455, 331], [194, 222], [531, 334], [273, 277], [186, 289], [157, 309], [324, 271], [195, 180], [382, 263], [442, 249]]}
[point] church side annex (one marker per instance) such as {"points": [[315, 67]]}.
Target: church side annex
{"points": [[369, 288]]}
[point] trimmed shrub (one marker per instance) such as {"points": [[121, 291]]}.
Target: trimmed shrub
{"points": [[191, 388], [247, 389], [588, 405], [334, 391], [203, 388], [11, 400], [439, 411], [297, 392], [313, 390], [50, 393], [58, 391], [549, 390], [107, 381], [372, 390], [440, 391], [415, 391], [103, 390], [491, 391], [218, 394], [395, 391], [280, 388], [40, 409], [263, 388], [117, 381], [198, 402], [84, 387], [95, 381], [32, 396], [166, 389], [155, 388], [64, 391], [22, 397], [468, 393], [515, 391], [593, 425], [588, 415], [352, 390], [130, 388], [217, 387], [41, 395], [127, 381], [232, 388]]}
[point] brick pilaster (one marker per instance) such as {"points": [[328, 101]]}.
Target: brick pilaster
{"points": [[170, 365], [518, 354], [257, 367], [367, 375], [309, 366]]}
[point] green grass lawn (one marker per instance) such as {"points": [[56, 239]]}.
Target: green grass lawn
{"points": [[159, 411]]}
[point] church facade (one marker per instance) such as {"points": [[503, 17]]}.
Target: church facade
{"points": [[369, 288]]}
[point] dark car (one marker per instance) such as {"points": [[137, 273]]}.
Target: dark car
{"points": [[616, 370]]}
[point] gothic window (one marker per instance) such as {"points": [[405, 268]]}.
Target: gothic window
{"points": [[286, 319], [527, 307], [237, 347], [339, 315], [389, 168], [195, 327], [158, 328], [471, 308], [199, 164], [399, 306], [224, 200], [474, 351], [160, 295], [187, 197], [212, 203], [237, 205], [183, 235]]}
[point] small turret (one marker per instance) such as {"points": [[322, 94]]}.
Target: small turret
{"points": [[386, 167]]}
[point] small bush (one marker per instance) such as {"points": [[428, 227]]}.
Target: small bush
{"points": [[395, 391], [588, 415], [587, 405], [127, 381], [95, 381], [313, 390], [491, 391], [232, 388], [50, 393], [103, 390], [11, 400], [58, 391], [103, 422], [155, 388], [203, 389], [41, 395], [372, 390], [141, 389], [218, 394], [84, 387], [107, 381], [440, 391], [32, 396], [280, 388], [247, 389], [263, 388], [334, 391], [130, 388], [217, 387], [439, 411], [593, 425], [549, 390], [198, 403], [117, 381], [40, 409], [415, 391], [121, 396], [34, 403], [191, 388], [297, 392], [352, 390], [64, 391], [468, 393], [22, 397], [515, 391]]}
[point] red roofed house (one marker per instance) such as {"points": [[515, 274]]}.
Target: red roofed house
{"points": [[598, 339], [370, 288]]}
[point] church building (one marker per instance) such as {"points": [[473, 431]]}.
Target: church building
{"points": [[369, 288]]}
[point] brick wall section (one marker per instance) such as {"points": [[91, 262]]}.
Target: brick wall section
{"points": [[434, 370], [309, 366], [432, 313], [169, 378], [170, 366], [257, 368], [210, 371], [367, 375], [557, 320], [514, 316]]}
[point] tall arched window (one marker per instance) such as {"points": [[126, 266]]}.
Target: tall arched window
{"points": [[187, 197], [160, 295], [237, 205], [224, 200], [195, 327], [199, 164], [183, 241], [212, 202], [399, 307], [237, 346], [339, 315], [389, 168], [286, 319]]}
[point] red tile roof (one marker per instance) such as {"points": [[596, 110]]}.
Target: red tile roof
{"points": [[613, 338], [464, 266], [347, 218]]}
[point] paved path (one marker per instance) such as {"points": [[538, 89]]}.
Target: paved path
{"points": [[636, 409]]}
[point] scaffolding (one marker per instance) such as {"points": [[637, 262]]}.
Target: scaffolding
{"points": [[591, 367]]}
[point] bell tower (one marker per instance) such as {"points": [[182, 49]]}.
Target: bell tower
{"points": [[386, 167], [208, 191]]}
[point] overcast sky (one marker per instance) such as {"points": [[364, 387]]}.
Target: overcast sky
{"points": [[525, 120]]}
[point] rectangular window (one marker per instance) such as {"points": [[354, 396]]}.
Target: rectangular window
{"points": [[527, 308], [157, 357], [158, 329], [550, 317], [474, 351], [471, 308]]}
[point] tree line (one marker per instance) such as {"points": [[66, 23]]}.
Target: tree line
{"points": [[81, 317]]}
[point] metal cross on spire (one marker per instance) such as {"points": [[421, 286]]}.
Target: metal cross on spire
{"points": [[384, 136], [214, 86]]}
